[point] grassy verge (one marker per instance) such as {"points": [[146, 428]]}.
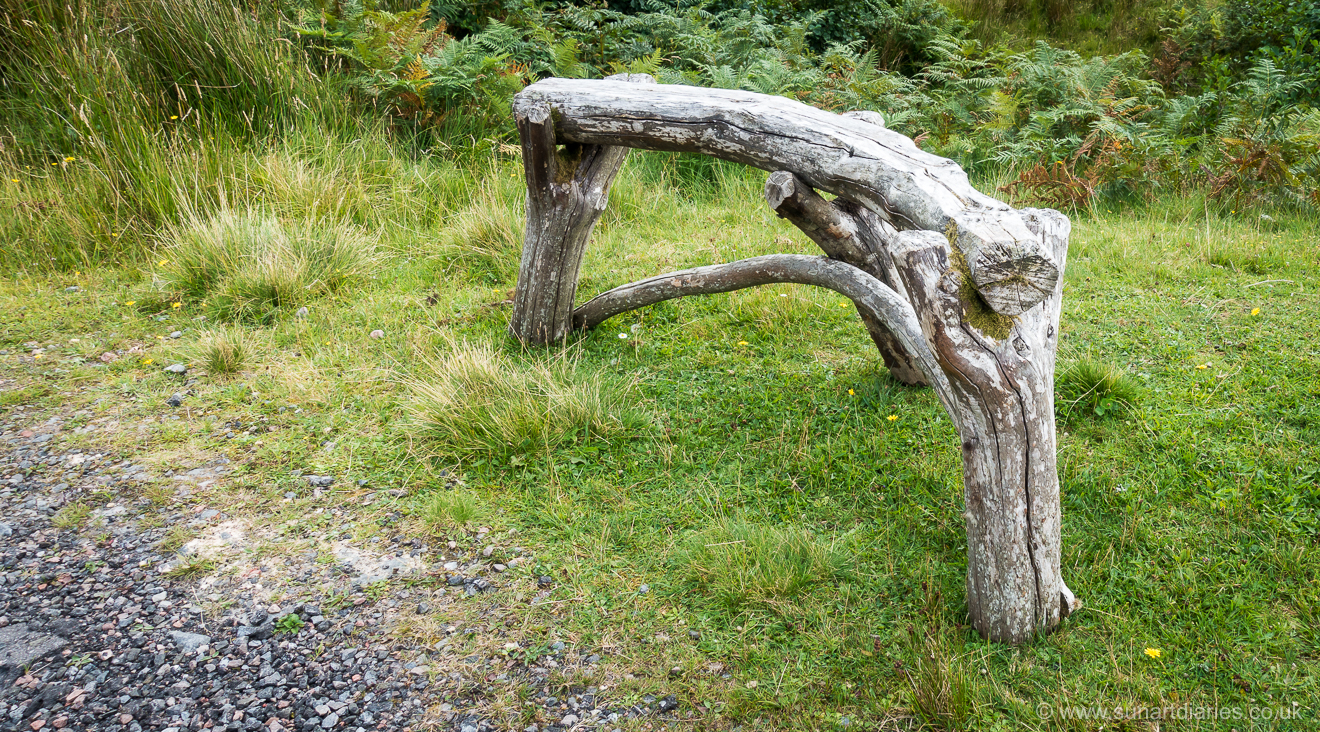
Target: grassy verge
{"points": [[714, 485]]}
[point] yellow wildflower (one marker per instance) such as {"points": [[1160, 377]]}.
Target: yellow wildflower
{"points": [[1202, 367], [1255, 311], [892, 417], [68, 160], [1153, 652], [164, 262], [174, 116], [146, 362], [742, 343], [851, 392], [13, 180], [130, 303], [843, 304], [176, 304]]}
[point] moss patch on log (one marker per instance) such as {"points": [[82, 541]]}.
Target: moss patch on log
{"points": [[976, 310]]}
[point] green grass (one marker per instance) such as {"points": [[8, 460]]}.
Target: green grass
{"points": [[251, 265], [747, 566], [223, 350], [1190, 516], [1090, 388], [450, 510], [71, 516], [1090, 27], [474, 402]]}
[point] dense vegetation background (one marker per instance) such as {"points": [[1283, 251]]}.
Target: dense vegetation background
{"points": [[1167, 97]]}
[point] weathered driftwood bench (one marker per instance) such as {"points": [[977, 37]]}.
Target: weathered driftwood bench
{"points": [[958, 290]]}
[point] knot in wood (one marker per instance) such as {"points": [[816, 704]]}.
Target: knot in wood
{"points": [[838, 232], [951, 282], [1021, 346]]}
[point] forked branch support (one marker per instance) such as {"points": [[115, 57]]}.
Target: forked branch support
{"points": [[869, 294]]}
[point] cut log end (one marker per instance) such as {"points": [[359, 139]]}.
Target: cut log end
{"points": [[1008, 264]]}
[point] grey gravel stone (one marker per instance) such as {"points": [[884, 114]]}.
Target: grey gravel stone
{"points": [[177, 368], [189, 642], [20, 646]]}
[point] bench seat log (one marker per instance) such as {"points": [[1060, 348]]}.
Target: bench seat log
{"points": [[847, 156]]}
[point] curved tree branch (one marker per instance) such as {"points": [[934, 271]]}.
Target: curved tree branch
{"points": [[850, 233], [869, 294]]}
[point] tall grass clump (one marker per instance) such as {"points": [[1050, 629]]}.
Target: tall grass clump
{"points": [[449, 510], [743, 565], [942, 690], [1091, 388], [486, 237], [475, 403], [249, 265], [119, 116], [223, 350]]}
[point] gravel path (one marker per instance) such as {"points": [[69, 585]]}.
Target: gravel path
{"points": [[101, 628]]}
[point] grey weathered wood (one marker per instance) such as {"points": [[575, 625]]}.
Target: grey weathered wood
{"points": [[846, 234], [1003, 390], [852, 158], [567, 189], [957, 289], [870, 295]]}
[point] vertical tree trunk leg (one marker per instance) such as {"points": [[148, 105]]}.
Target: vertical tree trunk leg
{"points": [[1003, 385], [567, 189]]}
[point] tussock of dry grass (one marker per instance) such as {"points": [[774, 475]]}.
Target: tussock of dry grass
{"points": [[475, 401], [249, 265], [223, 350]]}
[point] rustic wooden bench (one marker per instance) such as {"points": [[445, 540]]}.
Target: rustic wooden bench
{"points": [[959, 291]]}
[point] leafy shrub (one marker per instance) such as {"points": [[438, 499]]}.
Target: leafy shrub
{"points": [[247, 266], [744, 565], [474, 402], [1222, 42]]}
